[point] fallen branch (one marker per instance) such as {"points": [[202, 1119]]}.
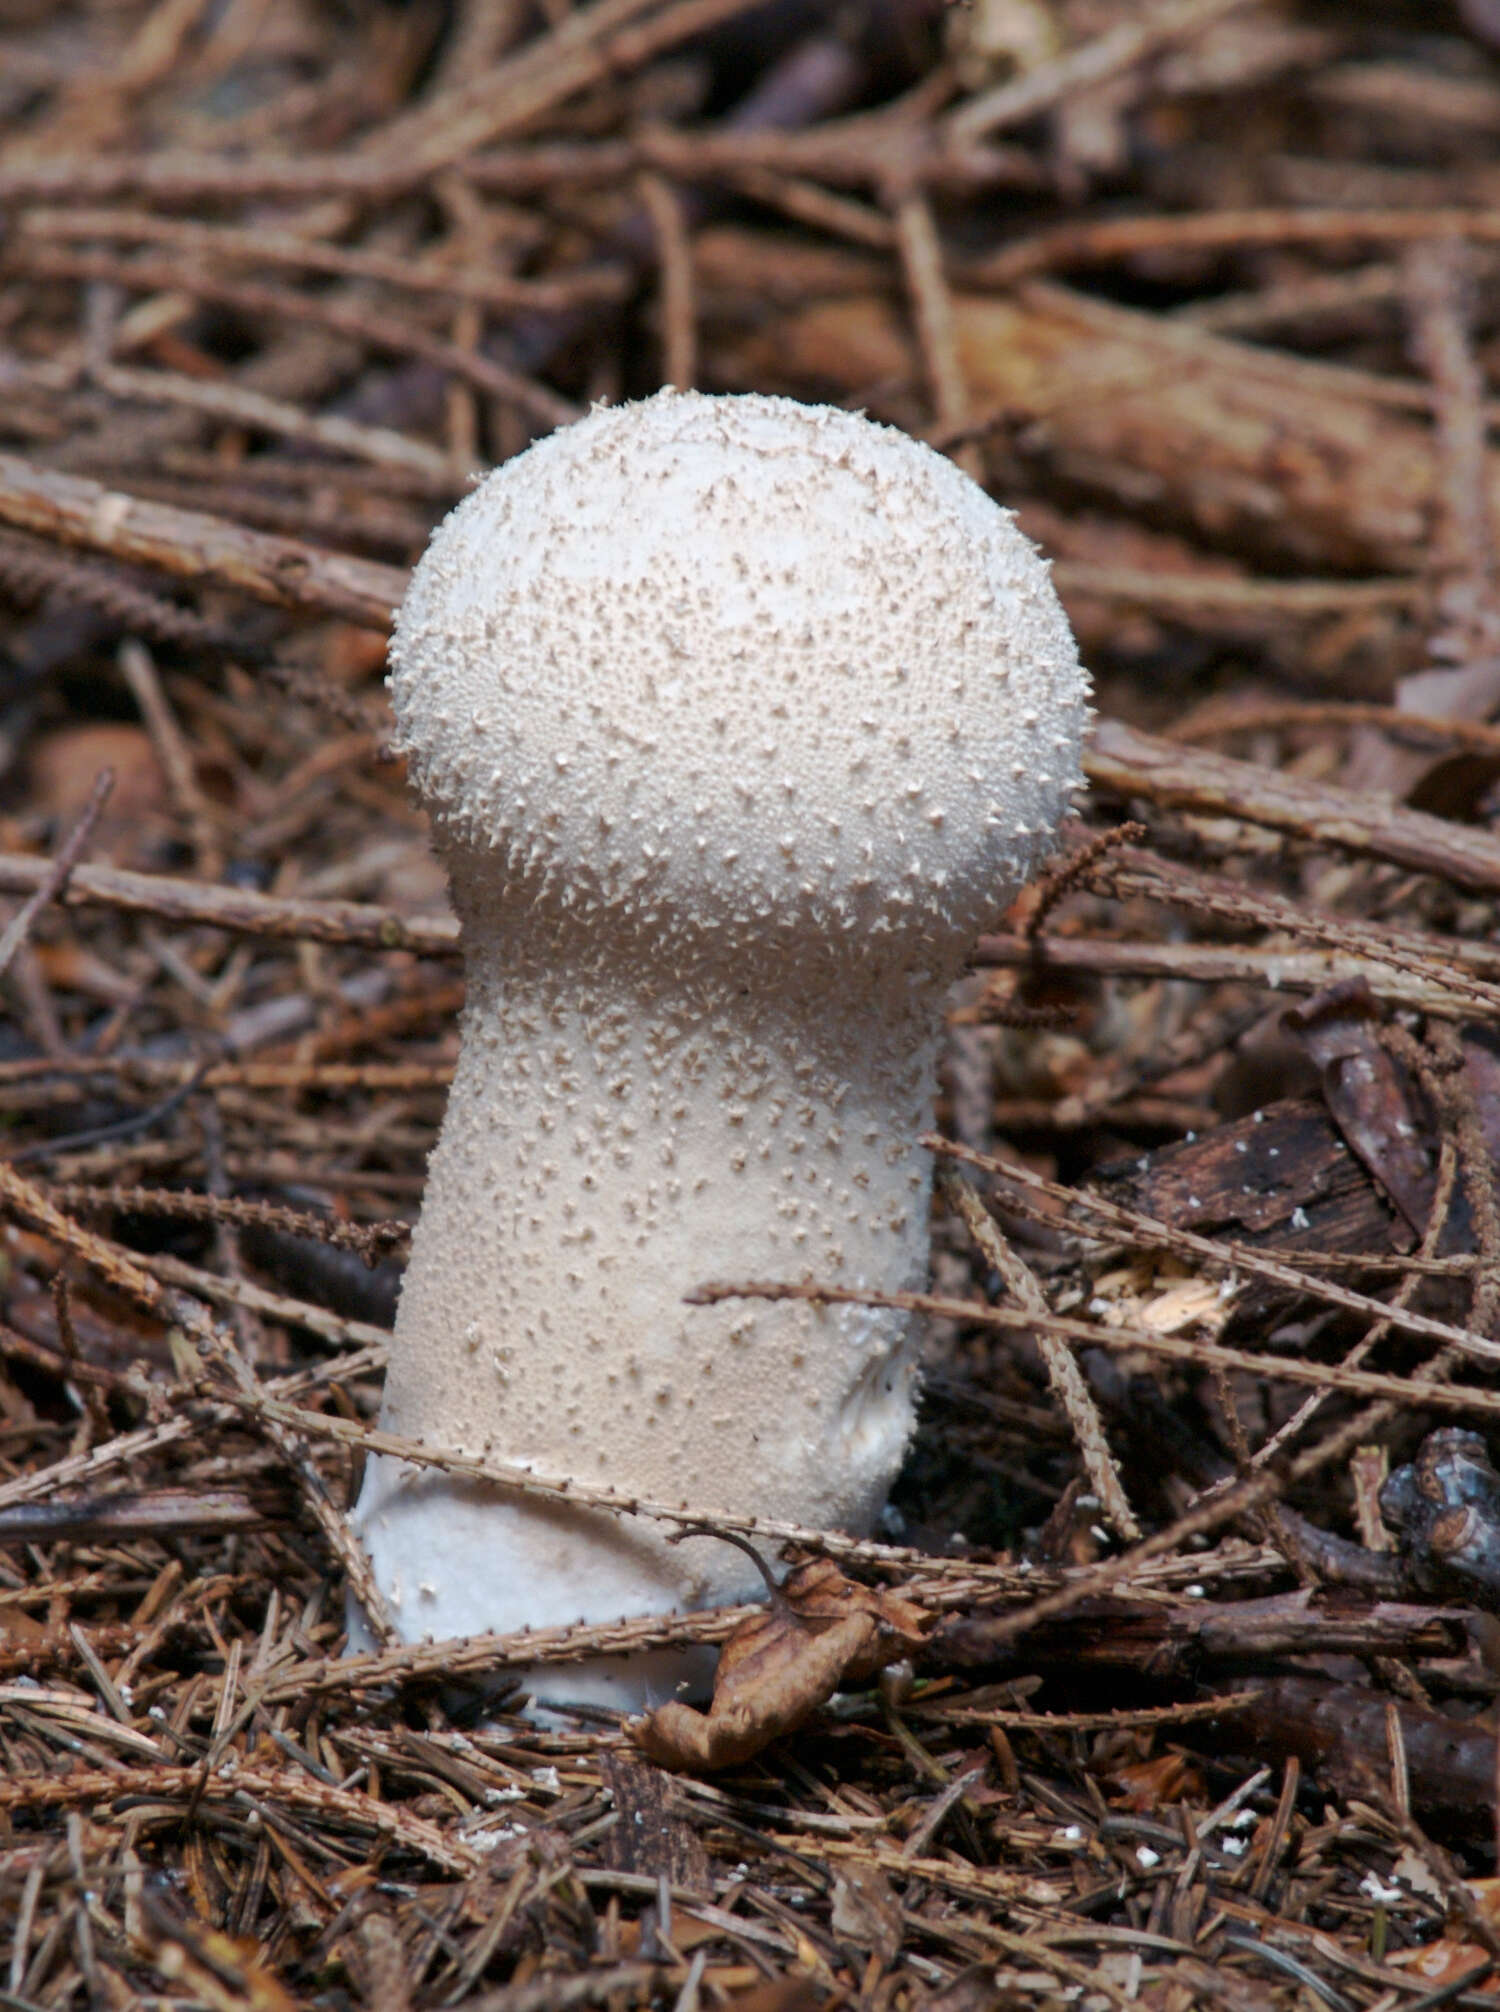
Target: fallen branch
{"points": [[192, 545]]}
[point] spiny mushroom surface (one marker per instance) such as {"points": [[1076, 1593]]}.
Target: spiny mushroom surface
{"points": [[737, 720]]}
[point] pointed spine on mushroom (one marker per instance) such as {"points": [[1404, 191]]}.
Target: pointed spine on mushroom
{"points": [[737, 720]]}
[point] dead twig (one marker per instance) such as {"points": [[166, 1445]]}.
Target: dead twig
{"points": [[1129, 763], [1119, 48], [674, 254], [240, 909], [55, 878], [1063, 1373], [194, 546]]}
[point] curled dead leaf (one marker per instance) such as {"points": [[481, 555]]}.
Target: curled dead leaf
{"points": [[819, 1631]]}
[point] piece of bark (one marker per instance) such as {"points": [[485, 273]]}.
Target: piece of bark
{"points": [[1281, 1176], [1253, 451], [1172, 1642], [1445, 1508], [1340, 1734], [652, 1837], [1286, 1176], [1369, 1096]]}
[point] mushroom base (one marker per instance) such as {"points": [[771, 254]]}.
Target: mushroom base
{"points": [[509, 1567], [421, 1520]]}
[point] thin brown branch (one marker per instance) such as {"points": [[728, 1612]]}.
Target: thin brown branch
{"points": [[1119, 48], [1276, 969], [1097, 241], [1129, 763], [194, 546], [268, 247], [921, 256], [679, 289], [1415, 1392], [1063, 1373], [54, 881], [239, 909]]}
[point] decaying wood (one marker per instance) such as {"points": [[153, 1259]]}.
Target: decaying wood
{"points": [[1338, 1730], [1324, 468], [1180, 1638]]}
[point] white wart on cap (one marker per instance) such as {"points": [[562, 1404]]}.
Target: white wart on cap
{"points": [[737, 720]]}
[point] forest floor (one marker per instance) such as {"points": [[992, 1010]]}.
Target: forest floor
{"points": [[1189, 1609]]}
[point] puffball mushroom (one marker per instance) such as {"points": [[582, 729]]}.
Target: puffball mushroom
{"points": [[736, 719]]}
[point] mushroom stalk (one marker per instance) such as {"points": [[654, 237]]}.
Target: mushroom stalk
{"points": [[616, 1138], [738, 719]]}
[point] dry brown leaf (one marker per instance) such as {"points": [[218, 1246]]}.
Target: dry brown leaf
{"points": [[819, 1631], [796, 1992], [1148, 1785], [1444, 1962]]}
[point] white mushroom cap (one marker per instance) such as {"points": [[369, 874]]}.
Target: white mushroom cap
{"points": [[738, 719], [744, 668]]}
